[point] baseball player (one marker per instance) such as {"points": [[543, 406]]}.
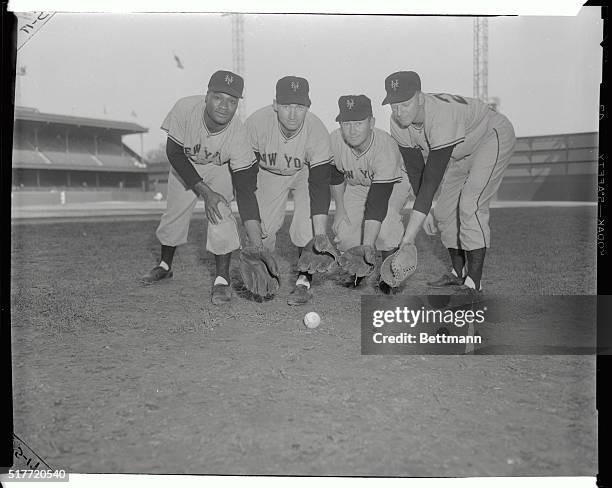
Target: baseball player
{"points": [[293, 153], [369, 185], [204, 142], [463, 145]]}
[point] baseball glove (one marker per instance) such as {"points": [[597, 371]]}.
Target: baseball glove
{"points": [[399, 266], [318, 256], [358, 260], [259, 271]]}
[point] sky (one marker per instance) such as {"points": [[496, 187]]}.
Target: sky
{"points": [[545, 70]]}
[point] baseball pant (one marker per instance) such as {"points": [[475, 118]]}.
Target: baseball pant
{"points": [[272, 195], [221, 238], [391, 229], [469, 185]]}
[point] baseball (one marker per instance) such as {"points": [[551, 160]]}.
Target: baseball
{"points": [[312, 320]]}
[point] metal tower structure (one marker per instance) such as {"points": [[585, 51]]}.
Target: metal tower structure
{"points": [[481, 58], [238, 53]]}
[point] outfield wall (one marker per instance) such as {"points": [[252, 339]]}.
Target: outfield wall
{"points": [[578, 188], [561, 168], [557, 188], [28, 198]]}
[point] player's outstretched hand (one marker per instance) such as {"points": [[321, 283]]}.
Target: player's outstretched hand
{"points": [[212, 200], [429, 225], [318, 256], [339, 217], [259, 271], [359, 260], [399, 266]]}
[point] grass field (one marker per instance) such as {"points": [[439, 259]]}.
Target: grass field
{"points": [[110, 376]]}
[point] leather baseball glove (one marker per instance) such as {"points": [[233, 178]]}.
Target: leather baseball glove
{"points": [[358, 260], [259, 271], [318, 256], [399, 266]]}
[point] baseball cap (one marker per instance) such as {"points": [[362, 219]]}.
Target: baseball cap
{"points": [[226, 82], [354, 107], [292, 89], [401, 86]]}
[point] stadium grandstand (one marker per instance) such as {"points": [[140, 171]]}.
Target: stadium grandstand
{"points": [[559, 167], [85, 160], [62, 152]]}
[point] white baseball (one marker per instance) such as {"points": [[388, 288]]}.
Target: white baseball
{"points": [[312, 320]]}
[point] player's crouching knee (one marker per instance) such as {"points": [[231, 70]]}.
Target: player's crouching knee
{"points": [[467, 210]]}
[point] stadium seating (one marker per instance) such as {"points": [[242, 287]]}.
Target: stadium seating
{"points": [[28, 157]]}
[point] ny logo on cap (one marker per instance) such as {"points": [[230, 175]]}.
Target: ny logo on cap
{"points": [[295, 85], [229, 79], [395, 84], [350, 103]]}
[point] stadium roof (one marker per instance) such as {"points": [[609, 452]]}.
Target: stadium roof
{"points": [[33, 115]]}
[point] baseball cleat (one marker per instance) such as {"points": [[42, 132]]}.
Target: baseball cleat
{"points": [[156, 275], [221, 294], [447, 279], [354, 282], [300, 295], [468, 291], [387, 289]]}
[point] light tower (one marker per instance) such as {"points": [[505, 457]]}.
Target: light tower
{"points": [[481, 62], [238, 53], [481, 58]]}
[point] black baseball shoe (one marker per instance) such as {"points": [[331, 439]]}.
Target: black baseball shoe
{"points": [[386, 289], [221, 294], [156, 275], [354, 282], [300, 295], [447, 279], [467, 291]]}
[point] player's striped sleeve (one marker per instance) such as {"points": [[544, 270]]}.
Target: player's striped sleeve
{"points": [[445, 129], [396, 179], [319, 163], [447, 144], [318, 145], [238, 168], [242, 156], [173, 139], [387, 163], [175, 123]]}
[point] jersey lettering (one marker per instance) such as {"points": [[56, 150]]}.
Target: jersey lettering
{"points": [[287, 156], [192, 151], [269, 159], [184, 125], [380, 162], [209, 156]]}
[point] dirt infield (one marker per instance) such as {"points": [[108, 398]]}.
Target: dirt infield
{"points": [[110, 376]]}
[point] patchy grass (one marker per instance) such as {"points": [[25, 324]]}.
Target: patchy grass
{"points": [[110, 376]]}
